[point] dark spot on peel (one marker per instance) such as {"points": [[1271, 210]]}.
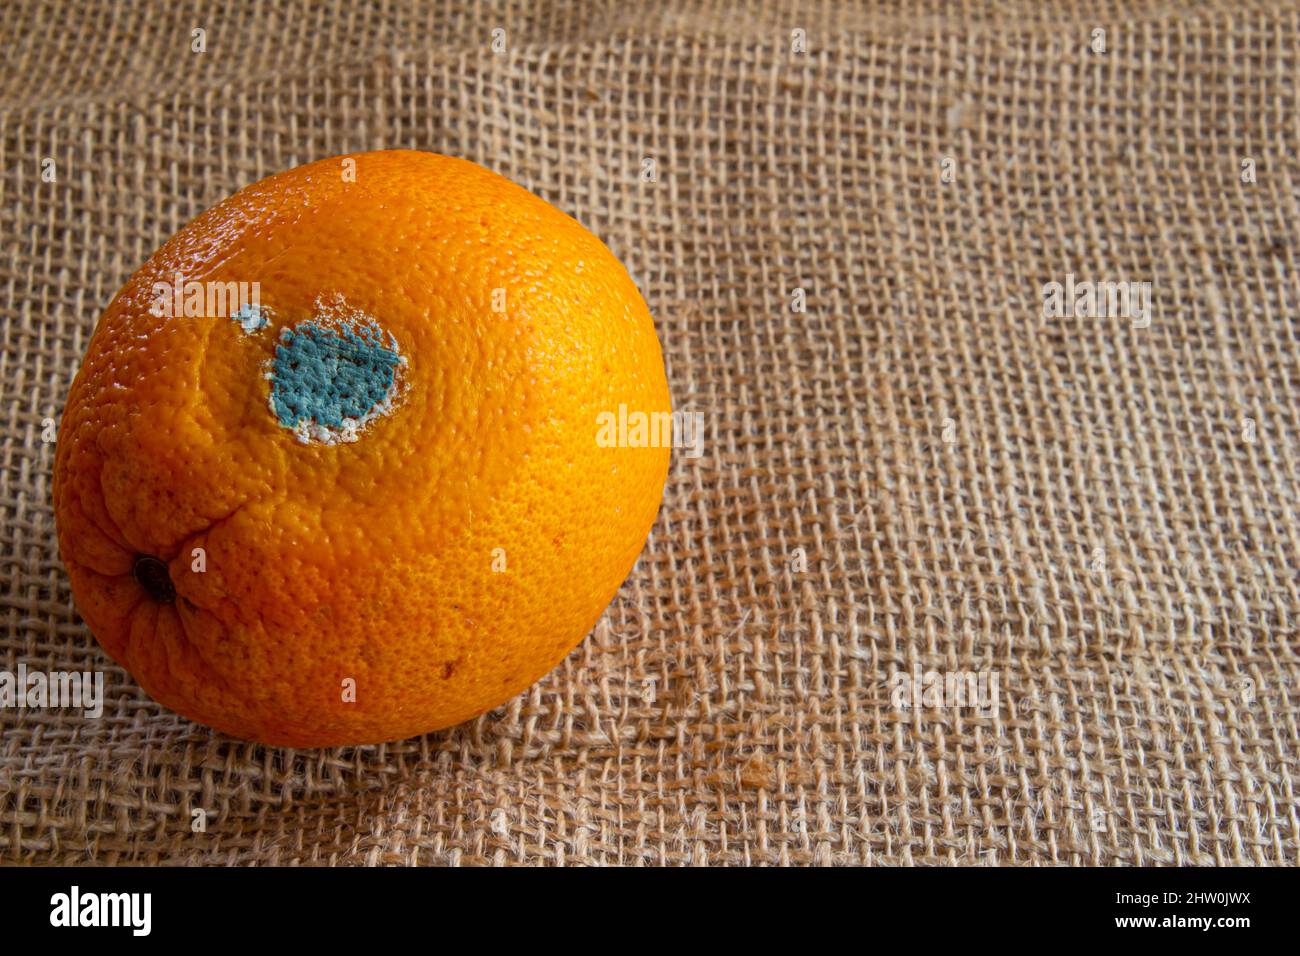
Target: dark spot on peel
{"points": [[448, 669], [151, 573]]}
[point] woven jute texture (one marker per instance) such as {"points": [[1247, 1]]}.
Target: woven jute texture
{"points": [[911, 467]]}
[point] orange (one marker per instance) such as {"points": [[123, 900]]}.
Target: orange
{"points": [[393, 491]]}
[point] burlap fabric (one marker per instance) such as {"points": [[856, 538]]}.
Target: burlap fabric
{"points": [[921, 472]]}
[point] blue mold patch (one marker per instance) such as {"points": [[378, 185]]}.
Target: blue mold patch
{"points": [[251, 318], [327, 381]]}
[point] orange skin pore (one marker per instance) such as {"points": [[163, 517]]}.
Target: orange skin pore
{"points": [[380, 561]]}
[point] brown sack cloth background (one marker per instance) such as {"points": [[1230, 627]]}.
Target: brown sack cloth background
{"points": [[1099, 512]]}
